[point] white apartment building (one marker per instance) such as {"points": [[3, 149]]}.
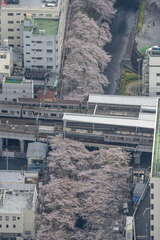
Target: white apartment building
{"points": [[40, 44], [14, 88], [155, 182], [12, 15], [18, 200], [151, 72], [6, 61]]}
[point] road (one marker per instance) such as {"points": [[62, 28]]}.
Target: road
{"points": [[142, 219], [123, 24]]}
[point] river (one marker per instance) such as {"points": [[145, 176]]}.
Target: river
{"points": [[123, 23]]}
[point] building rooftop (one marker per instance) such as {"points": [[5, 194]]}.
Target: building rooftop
{"points": [[45, 26], [155, 168], [119, 121], [15, 201], [30, 4], [17, 190], [16, 177], [41, 26], [37, 150]]}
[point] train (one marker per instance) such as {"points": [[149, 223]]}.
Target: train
{"points": [[43, 111]]}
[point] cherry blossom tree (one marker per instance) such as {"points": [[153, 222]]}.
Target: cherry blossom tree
{"points": [[86, 58], [85, 193]]}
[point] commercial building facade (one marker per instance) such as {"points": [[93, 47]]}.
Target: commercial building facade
{"points": [[151, 72]]}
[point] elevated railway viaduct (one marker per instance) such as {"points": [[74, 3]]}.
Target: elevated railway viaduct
{"points": [[102, 121]]}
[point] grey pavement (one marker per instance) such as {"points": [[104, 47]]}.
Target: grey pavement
{"points": [[142, 218]]}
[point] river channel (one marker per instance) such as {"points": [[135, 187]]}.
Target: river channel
{"points": [[123, 23]]}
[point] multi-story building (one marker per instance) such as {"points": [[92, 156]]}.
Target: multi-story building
{"points": [[14, 88], [12, 15], [155, 182], [151, 72], [6, 60], [40, 43], [18, 200]]}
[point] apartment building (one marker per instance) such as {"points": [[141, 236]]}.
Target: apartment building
{"points": [[40, 43], [12, 15], [18, 200], [6, 61], [151, 72], [155, 181]]}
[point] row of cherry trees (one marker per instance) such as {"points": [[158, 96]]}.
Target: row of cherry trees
{"points": [[86, 59], [84, 195]]}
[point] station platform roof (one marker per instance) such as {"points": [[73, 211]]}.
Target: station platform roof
{"points": [[114, 120], [123, 100]]}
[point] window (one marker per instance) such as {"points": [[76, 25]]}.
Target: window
{"points": [[0, 225], [152, 206], [49, 59], [18, 45], [152, 196], [18, 29], [152, 217], [152, 185], [18, 14], [6, 66], [10, 37], [10, 22], [27, 36], [158, 74], [157, 93], [39, 42], [49, 51], [14, 226], [28, 61], [3, 56], [7, 218], [49, 67], [10, 29], [38, 50], [152, 237], [10, 14], [49, 43], [27, 45], [18, 37], [152, 228], [24, 91], [17, 21], [18, 218], [14, 218], [7, 226], [11, 45], [27, 52]]}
